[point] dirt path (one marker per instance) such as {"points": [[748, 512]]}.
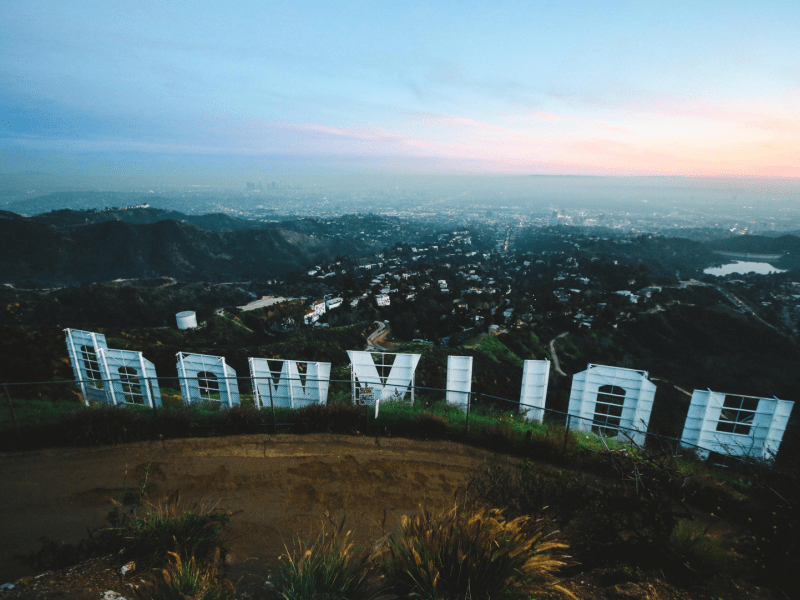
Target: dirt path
{"points": [[553, 354], [283, 484]]}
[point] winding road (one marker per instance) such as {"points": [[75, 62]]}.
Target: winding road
{"points": [[556, 364], [376, 342]]}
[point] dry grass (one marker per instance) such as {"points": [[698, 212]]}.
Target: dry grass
{"points": [[469, 552], [156, 530], [331, 567], [183, 578]]}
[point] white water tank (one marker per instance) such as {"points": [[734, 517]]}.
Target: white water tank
{"points": [[186, 319]]}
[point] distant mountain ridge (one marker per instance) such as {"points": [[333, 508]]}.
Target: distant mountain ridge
{"points": [[140, 215], [53, 251], [79, 200]]}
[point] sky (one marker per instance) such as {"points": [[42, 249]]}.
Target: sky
{"points": [[700, 89]]}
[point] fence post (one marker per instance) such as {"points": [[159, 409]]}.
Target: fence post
{"points": [[13, 415], [152, 394], [466, 421], [566, 435], [272, 405]]}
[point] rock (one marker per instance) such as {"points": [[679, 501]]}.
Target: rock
{"points": [[111, 595], [272, 592], [128, 569]]}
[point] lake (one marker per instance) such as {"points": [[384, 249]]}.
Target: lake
{"points": [[742, 268]]}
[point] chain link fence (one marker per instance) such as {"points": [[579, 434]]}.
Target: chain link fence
{"points": [[280, 401]]}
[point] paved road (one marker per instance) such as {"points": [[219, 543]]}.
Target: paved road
{"points": [[376, 337], [265, 301], [680, 389], [744, 307], [553, 354]]}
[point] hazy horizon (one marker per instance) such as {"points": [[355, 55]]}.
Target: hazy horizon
{"points": [[618, 89]]}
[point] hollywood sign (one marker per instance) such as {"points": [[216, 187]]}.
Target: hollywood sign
{"points": [[609, 401]]}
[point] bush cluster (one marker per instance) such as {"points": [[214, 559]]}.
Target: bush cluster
{"points": [[465, 551], [341, 417], [180, 551], [104, 425]]}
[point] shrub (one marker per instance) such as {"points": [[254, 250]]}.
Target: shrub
{"points": [[103, 425], [470, 552], [329, 568], [182, 578], [772, 522], [331, 418], [632, 519], [547, 443], [498, 437], [693, 544], [170, 423], [240, 420], [428, 426], [524, 491], [164, 528]]}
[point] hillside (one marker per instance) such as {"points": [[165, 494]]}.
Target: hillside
{"points": [[46, 255], [786, 245], [66, 218]]}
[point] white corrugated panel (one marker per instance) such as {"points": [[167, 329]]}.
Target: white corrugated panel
{"points": [[207, 378], [397, 379], [734, 424], [635, 403], [459, 379], [83, 348], [285, 386], [130, 377], [535, 377]]}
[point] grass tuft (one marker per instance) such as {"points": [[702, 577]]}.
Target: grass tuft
{"points": [[183, 578], [470, 552], [162, 527], [701, 551], [331, 567]]}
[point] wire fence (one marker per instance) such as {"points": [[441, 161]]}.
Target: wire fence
{"points": [[473, 414]]}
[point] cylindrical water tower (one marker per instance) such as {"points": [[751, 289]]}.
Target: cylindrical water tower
{"points": [[186, 319]]}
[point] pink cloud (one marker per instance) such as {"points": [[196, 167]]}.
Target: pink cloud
{"points": [[342, 132], [546, 116], [613, 128]]}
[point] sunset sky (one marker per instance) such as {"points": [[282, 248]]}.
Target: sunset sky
{"points": [[611, 88]]}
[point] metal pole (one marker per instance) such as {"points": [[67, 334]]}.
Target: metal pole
{"points": [[13, 415], [144, 376], [271, 403], [152, 394], [77, 366], [466, 421], [566, 435]]}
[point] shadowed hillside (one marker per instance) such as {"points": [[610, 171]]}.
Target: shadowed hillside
{"points": [[33, 251]]}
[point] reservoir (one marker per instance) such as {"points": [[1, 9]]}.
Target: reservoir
{"points": [[742, 268]]}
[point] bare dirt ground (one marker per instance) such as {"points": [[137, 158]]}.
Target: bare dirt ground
{"points": [[282, 484]]}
